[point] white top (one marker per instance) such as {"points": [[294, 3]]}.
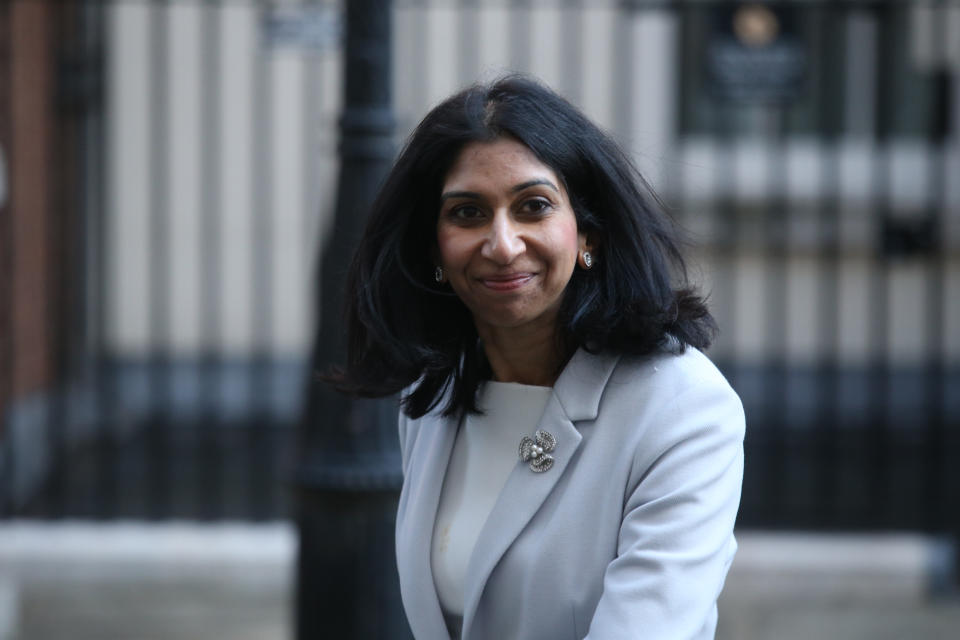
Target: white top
{"points": [[485, 452]]}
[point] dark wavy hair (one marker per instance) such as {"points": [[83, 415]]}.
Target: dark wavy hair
{"points": [[403, 329]]}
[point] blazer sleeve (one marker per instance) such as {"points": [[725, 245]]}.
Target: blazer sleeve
{"points": [[676, 540]]}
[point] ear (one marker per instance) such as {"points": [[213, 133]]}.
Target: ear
{"points": [[586, 243], [435, 259]]}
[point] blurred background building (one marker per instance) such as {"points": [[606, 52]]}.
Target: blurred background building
{"points": [[168, 172]]}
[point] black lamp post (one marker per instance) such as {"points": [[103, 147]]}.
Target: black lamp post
{"points": [[348, 472]]}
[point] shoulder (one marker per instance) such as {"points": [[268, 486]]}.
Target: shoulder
{"points": [[663, 399], [665, 378], [668, 373], [669, 431], [593, 384]]}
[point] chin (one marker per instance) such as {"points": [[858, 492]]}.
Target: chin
{"points": [[507, 318]]}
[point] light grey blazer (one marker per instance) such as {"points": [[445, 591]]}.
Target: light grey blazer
{"points": [[629, 535]]}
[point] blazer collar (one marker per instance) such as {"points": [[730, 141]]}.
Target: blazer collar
{"points": [[576, 397], [424, 482], [581, 384]]}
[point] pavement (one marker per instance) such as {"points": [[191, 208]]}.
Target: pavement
{"points": [[793, 586], [182, 581], [137, 581]]}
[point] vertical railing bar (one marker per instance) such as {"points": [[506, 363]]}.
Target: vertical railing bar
{"points": [[935, 372], [79, 386], [775, 250], [947, 383], [102, 410], [76, 489], [314, 82], [951, 365], [828, 435], [879, 375], [728, 242], [726, 231], [259, 420], [209, 458], [60, 489], [91, 180], [106, 379], [79, 374], [157, 456]]}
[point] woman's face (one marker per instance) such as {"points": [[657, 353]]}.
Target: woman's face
{"points": [[507, 236]]}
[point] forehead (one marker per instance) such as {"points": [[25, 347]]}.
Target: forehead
{"points": [[502, 160]]}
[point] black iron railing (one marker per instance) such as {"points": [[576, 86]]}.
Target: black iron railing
{"points": [[821, 205]]}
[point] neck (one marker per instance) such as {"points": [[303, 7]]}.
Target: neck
{"points": [[525, 355]]}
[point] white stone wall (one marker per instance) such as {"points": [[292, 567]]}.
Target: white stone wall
{"points": [[275, 172], [278, 164]]}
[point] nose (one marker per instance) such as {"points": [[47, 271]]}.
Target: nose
{"points": [[503, 242]]}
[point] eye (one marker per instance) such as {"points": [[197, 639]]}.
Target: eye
{"points": [[536, 206], [465, 212]]}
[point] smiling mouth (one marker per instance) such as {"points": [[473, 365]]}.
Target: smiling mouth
{"points": [[506, 282]]}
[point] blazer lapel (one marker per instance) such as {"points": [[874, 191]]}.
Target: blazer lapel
{"points": [[576, 396], [427, 467]]}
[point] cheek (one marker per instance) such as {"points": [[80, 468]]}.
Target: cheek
{"points": [[453, 245], [568, 238]]}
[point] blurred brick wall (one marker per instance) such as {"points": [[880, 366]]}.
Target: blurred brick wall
{"points": [[5, 240], [26, 127]]}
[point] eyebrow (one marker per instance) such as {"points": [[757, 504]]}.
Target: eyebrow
{"points": [[515, 189], [460, 194], [533, 183]]}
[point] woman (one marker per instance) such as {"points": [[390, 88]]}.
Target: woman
{"points": [[572, 462]]}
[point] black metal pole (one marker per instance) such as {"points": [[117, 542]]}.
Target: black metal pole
{"points": [[349, 466]]}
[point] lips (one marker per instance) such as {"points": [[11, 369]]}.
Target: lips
{"points": [[506, 282]]}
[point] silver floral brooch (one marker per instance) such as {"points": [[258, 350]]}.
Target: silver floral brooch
{"points": [[537, 451]]}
